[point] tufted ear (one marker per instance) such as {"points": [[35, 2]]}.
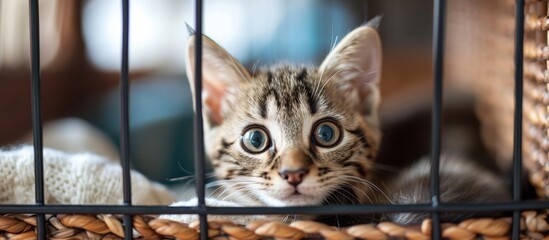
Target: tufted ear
{"points": [[355, 66], [221, 75]]}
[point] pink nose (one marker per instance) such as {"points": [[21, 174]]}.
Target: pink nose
{"points": [[294, 177]]}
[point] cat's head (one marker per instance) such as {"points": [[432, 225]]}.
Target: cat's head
{"points": [[294, 135]]}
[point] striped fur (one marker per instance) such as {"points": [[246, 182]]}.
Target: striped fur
{"points": [[287, 101]]}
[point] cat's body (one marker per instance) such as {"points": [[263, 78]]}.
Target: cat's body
{"points": [[299, 135]]}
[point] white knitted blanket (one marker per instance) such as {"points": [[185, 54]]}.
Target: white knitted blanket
{"points": [[79, 178]]}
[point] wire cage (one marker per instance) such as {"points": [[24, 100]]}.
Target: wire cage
{"points": [[436, 229]]}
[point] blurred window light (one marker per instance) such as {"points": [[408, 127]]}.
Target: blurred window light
{"points": [[15, 27], [158, 33], [153, 26], [248, 29]]}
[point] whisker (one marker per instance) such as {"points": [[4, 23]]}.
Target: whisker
{"points": [[207, 175], [353, 201], [367, 183], [183, 169], [335, 43], [233, 188], [315, 94], [343, 175], [332, 77], [236, 68], [285, 219], [361, 191], [223, 185], [255, 66], [239, 190], [225, 181]]}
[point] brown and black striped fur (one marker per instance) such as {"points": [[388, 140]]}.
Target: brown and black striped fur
{"points": [[287, 102], [286, 98]]}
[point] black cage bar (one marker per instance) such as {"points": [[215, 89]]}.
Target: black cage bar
{"points": [[435, 207], [37, 113], [438, 59], [124, 117], [517, 131], [198, 124]]}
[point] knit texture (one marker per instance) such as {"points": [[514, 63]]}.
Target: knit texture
{"points": [[72, 178]]}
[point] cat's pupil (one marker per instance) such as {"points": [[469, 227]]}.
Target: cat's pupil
{"points": [[325, 133], [256, 139]]}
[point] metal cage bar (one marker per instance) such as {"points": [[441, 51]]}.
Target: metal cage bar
{"points": [[125, 119], [308, 210], [34, 21], [198, 124], [439, 15], [517, 125]]}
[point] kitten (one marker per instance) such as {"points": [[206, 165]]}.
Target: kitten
{"points": [[296, 135]]}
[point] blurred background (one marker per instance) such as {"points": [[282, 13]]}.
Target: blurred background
{"points": [[80, 60]]}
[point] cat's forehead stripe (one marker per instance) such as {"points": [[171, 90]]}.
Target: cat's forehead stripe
{"points": [[268, 91], [290, 83], [302, 75]]}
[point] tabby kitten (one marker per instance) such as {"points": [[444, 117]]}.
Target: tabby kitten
{"points": [[294, 135]]}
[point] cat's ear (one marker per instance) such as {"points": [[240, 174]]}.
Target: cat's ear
{"points": [[355, 66], [221, 75]]}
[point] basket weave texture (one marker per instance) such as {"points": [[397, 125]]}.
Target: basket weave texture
{"points": [[536, 98], [533, 226], [480, 59]]}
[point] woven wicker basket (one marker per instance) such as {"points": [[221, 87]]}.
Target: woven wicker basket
{"points": [[536, 146], [480, 50], [533, 226]]}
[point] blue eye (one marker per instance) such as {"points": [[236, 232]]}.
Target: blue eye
{"points": [[255, 140], [326, 133]]}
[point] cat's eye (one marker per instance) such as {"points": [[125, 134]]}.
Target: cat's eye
{"points": [[255, 140], [326, 133]]}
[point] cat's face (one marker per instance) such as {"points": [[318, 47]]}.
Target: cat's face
{"points": [[294, 135]]}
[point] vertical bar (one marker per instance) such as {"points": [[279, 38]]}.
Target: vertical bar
{"points": [[198, 124], [439, 12], [124, 119], [37, 114], [517, 128]]}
